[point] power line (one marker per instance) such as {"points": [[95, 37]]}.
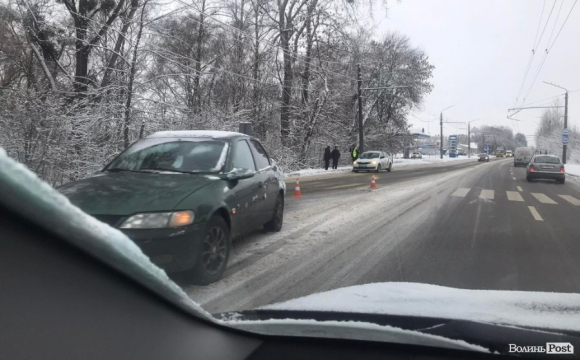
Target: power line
{"points": [[549, 47], [532, 55], [556, 22], [548, 20], [570, 12]]}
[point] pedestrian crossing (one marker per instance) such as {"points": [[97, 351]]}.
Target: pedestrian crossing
{"points": [[487, 194], [516, 196]]}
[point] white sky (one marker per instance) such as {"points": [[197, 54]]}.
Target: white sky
{"points": [[481, 49]]}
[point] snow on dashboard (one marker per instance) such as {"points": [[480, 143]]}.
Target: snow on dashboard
{"points": [[24, 190], [517, 308]]}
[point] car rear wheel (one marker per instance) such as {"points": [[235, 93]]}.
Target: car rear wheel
{"points": [[529, 179], [390, 167], [275, 224], [215, 252], [562, 181], [355, 171]]}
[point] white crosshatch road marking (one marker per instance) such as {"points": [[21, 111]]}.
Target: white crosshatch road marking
{"points": [[535, 213], [487, 194], [461, 192], [520, 188], [543, 198], [571, 199], [514, 196]]}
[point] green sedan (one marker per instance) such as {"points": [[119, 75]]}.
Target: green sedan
{"points": [[182, 196]]}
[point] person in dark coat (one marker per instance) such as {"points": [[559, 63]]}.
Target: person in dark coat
{"points": [[335, 156], [327, 157]]}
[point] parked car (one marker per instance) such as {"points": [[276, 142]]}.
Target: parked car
{"points": [[522, 156], [546, 167], [483, 157], [499, 153], [416, 155], [182, 196], [373, 161]]}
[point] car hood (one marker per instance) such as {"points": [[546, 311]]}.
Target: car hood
{"points": [[516, 308], [126, 193], [421, 314]]}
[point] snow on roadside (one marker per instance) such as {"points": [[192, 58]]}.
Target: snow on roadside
{"points": [[574, 170], [397, 162]]}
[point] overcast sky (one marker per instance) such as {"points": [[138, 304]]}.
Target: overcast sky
{"points": [[481, 49]]}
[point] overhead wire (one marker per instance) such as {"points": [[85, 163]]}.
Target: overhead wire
{"points": [[532, 55], [549, 48]]}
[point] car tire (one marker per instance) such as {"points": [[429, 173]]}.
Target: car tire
{"points": [[275, 224], [390, 167], [378, 168], [529, 179], [562, 181], [213, 257], [356, 171]]}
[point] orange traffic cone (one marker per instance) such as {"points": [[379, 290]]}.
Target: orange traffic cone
{"points": [[297, 193], [373, 183]]}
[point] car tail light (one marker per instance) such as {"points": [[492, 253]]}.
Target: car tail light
{"points": [[532, 168], [562, 169]]}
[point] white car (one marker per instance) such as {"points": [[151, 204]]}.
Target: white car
{"points": [[373, 161]]}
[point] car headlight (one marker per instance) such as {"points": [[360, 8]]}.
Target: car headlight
{"points": [[355, 163], [159, 220], [373, 162]]}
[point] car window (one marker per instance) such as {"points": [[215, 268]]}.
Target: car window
{"points": [[373, 155], [182, 156], [243, 158], [260, 155], [546, 160]]}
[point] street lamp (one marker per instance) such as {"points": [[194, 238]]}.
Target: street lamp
{"points": [[441, 124], [469, 137], [565, 118]]}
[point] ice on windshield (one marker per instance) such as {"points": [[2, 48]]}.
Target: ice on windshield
{"points": [[182, 156]]}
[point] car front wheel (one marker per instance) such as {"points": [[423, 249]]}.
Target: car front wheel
{"points": [[215, 252], [275, 224], [378, 168]]}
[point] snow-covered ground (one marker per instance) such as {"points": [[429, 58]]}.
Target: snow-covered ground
{"points": [[574, 170], [397, 162]]}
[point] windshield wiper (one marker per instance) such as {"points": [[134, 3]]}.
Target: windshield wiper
{"points": [[120, 170], [170, 170]]}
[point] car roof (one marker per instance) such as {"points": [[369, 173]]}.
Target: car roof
{"points": [[214, 134]]}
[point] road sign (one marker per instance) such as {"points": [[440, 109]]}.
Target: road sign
{"points": [[565, 137]]}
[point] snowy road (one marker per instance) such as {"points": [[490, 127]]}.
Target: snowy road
{"points": [[461, 224]]}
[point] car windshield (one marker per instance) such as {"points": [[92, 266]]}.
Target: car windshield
{"points": [[238, 143], [370, 155], [546, 160], [169, 155]]}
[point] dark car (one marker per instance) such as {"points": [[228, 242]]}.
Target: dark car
{"points": [[546, 167], [182, 196], [483, 157]]}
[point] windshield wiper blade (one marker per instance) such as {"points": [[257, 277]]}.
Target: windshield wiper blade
{"points": [[120, 170], [170, 170]]}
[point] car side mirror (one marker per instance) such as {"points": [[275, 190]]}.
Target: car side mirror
{"points": [[239, 174]]}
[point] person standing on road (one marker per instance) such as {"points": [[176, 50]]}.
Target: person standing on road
{"points": [[354, 153], [327, 156], [335, 156]]}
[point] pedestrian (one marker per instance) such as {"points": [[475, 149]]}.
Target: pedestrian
{"points": [[354, 153], [335, 156], [327, 157]]}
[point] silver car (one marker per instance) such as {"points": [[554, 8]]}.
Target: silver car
{"points": [[546, 167], [373, 161]]}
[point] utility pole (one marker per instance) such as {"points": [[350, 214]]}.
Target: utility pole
{"points": [[441, 124], [565, 125], [565, 116], [441, 138], [360, 112], [469, 137]]}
